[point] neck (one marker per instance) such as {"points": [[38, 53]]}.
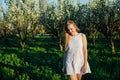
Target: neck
{"points": [[75, 34]]}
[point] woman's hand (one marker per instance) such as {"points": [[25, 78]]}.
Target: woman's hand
{"points": [[63, 69], [84, 69]]}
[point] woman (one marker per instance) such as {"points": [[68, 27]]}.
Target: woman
{"points": [[75, 62]]}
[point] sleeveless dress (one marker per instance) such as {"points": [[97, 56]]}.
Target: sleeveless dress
{"points": [[74, 58]]}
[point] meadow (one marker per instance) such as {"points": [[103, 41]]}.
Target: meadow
{"points": [[42, 60]]}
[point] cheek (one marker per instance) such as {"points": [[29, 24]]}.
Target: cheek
{"points": [[74, 30]]}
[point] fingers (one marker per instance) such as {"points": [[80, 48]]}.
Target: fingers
{"points": [[62, 69], [84, 70]]}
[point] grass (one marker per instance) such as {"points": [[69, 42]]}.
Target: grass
{"points": [[42, 60]]}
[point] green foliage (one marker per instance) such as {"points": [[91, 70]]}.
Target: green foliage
{"points": [[7, 73], [27, 18], [41, 58], [43, 61], [21, 19], [103, 62], [23, 76]]}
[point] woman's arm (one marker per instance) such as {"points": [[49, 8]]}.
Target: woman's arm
{"points": [[64, 60], [64, 57], [85, 52]]}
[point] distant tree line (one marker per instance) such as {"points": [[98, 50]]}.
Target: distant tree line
{"points": [[26, 18]]}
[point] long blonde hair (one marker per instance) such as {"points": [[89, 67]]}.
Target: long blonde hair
{"points": [[67, 34]]}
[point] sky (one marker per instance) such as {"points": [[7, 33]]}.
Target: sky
{"points": [[55, 1], [82, 1]]}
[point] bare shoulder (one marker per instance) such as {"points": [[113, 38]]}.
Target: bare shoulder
{"points": [[84, 38], [83, 35]]}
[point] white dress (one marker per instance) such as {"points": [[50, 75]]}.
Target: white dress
{"points": [[74, 58]]}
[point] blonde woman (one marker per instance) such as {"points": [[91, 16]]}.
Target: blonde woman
{"points": [[75, 62]]}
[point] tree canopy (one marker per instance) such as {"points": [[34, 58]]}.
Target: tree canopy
{"points": [[26, 18]]}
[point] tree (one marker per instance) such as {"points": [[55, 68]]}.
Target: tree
{"points": [[54, 19], [23, 17], [5, 26], [107, 18]]}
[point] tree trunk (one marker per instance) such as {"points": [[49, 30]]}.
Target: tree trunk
{"points": [[112, 46], [22, 44], [5, 36]]}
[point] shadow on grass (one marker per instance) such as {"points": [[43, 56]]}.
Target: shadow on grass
{"points": [[45, 63], [42, 61]]}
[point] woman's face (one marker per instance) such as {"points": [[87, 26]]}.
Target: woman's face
{"points": [[71, 29]]}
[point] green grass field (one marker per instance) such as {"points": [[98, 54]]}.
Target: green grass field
{"points": [[43, 61]]}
